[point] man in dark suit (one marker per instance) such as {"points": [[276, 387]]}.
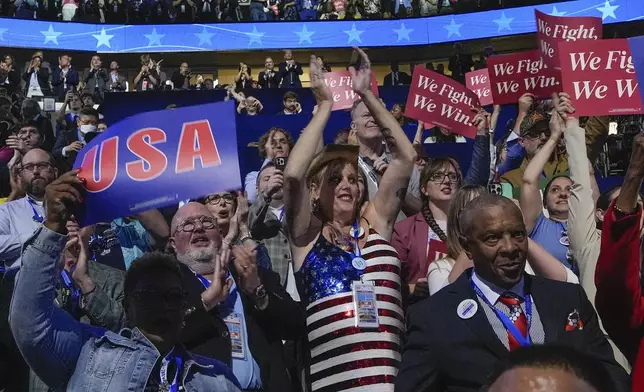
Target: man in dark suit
{"points": [[455, 337], [290, 71], [95, 77], [71, 139], [116, 82], [64, 78], [396, 77], [239, 296]]}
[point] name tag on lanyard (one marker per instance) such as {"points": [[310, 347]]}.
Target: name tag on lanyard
{"points": [[365, 305], [236, 330]]}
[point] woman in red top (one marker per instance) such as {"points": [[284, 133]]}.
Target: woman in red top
{"points": [[619, 298]]}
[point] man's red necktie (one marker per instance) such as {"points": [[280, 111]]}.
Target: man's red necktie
{"points": [[517, 316]]}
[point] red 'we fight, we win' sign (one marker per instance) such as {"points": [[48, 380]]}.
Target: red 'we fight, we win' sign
{"points": [[515, 74], [438, 99], [600, 77]]}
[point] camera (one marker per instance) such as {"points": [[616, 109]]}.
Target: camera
{"points": [[616, 153], [280, 163]]}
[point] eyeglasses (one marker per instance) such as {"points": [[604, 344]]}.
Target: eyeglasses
{"points": [[189, 225], [440, 177], [536, 133], [215, 199], [174, 298], [31, 167]]}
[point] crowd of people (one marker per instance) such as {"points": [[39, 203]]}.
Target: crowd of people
{"points": [[359, 265], [210, 11]]}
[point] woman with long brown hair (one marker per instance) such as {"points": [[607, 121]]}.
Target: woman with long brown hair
{"points": [[420, 239], [348, 274]]}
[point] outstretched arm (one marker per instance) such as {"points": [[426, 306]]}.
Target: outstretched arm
{"points": [[296, 196]]}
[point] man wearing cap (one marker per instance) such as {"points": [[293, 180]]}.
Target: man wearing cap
{"points": [[533, 131]]}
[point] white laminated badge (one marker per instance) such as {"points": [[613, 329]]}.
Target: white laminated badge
{"points": [[236, 330], [366, 307]]}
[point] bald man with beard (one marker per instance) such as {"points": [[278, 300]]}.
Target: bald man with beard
{"points": [[236, 295]]}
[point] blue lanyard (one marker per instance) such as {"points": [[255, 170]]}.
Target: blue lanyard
{"points": [[75, 291], [37, 217], [203, 280], [281, 214], [356, 232], [163, 372], [507, 323]]}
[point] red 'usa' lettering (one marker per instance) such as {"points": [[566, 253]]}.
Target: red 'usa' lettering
{"points": [[196, 142], [101, 179], [141, 143]]}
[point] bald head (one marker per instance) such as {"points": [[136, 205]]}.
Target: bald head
{"points": [[195, 237], [484, 202], [191, 209], [37, 154]]}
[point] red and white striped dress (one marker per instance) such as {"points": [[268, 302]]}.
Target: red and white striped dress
{"points": [[345, 357]]}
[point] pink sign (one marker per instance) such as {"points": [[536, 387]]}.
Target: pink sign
{"points": [[513, 75], [479, 82], [340, 85], [439, 100], [554, 29], [600, 77]]}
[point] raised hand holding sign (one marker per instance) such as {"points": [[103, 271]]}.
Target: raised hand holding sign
{"points": [[157, 159]]}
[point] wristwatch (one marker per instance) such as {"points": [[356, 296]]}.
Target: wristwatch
{"points": [[260, 292]]}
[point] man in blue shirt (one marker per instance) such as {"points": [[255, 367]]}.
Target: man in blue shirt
{"points": [[246, 327]]}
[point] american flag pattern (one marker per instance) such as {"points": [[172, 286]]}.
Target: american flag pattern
{"points": [[343, 356]]}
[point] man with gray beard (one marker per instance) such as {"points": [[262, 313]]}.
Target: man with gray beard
{"points": [[240, 316], [18, 220]]}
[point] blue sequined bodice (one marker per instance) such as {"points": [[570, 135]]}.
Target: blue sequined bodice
{"points": [[326, 271]]}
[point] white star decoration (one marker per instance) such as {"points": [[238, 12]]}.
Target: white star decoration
{"points": [[51, 35], [403, 32], [304, 34], [103, 39], [556, 12], [154, 38], [453, 28], [504, 22], [354, 35], [255, 36], [608, 10], [204, 37], [2, 31]]}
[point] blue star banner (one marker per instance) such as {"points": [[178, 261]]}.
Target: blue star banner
{"points": [[314, 34]]}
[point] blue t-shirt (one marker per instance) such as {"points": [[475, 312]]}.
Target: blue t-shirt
{"points": [[553, 236]]}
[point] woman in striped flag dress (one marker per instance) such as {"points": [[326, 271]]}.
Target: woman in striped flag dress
{"points": [[347, 272]]}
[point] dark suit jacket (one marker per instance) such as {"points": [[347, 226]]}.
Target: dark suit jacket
{"points": [[206, 334], [291, 76], [443, 352], [58, 83], [93, 79], [269, 82], [43, 80], [119, 85], [403, 78], [67, 133]]}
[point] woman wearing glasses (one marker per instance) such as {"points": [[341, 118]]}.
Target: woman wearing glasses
{"points": [[420, 239], [231, 214]]}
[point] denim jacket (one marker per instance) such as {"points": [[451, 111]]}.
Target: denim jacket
{"points": [[69, 355]]}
